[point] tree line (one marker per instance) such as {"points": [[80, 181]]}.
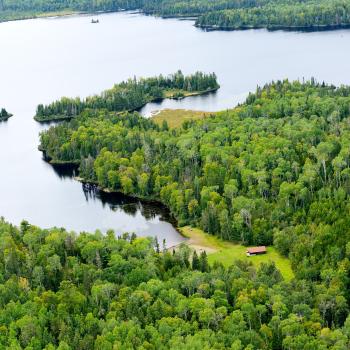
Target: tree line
{"points": [[194, 8], [21, 9], [16, 9], [130, 95], [63, 291], [309, 15]]}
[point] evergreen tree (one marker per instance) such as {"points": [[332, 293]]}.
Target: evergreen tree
{"points": [[203, 261], [196, 265]]}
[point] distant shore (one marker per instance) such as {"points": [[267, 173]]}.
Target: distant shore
{"points": [[312, 28], [54, 14], [206, 27]]}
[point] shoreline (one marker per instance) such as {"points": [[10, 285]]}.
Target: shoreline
{"points": [[58, 14], [218, 250], [148, 199], [44, 15], [205, 27], [272, 28], [171, 96], [151, 200]]}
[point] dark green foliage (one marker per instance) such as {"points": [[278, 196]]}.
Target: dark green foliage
{"points": [[20, 9], [195, 261], [17, 9], [59, 290], [4, 115], [203, 262], [312, 14], [130, 95], [193, 8]]}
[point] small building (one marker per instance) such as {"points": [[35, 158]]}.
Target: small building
{"points": [[256, 251]]}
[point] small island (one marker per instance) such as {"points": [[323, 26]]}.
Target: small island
{"points": [[131, 95], [4, 115]]}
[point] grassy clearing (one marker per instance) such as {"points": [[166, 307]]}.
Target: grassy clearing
{"points": [[227, 252], [175, 117]]}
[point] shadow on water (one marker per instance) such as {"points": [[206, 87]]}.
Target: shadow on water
{"points": [[64, 171], [129, 205], [117, 201]]}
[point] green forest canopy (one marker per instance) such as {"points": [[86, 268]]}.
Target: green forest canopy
{"points": [[309, 15], [214, 14], [275, 170], [131, 95], [63, 291]]}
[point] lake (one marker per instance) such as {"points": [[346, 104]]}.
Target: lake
{"points": [[44, 59]]}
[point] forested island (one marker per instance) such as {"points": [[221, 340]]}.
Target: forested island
{"points": [[131, 95], [4, 115], [218, 15]]}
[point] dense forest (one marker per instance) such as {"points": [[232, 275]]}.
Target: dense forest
{"points": [[274, 170], [131, 95], [309, 15], [20, 9], [11, 9], [210, 14], [194, 8], [4, 115], [63, 291]]}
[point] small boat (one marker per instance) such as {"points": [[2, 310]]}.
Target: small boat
{"points": [[95, 21]]}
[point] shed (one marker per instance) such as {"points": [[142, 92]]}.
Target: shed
{"points": [[256, 250]]}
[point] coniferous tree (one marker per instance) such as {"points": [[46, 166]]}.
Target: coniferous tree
{"points": [[203, 261], [195, 261]]}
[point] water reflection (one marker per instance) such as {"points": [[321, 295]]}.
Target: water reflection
{"points": [[64, 171], [116, 201], [150, 210]]}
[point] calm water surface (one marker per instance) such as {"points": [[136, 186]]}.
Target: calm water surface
{"points": [[44, 59]]}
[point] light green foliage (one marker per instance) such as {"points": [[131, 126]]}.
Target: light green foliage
{"points": [[107, 293], [275, 170]]}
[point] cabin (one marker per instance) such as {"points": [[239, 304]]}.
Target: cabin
{"points": [[256, 251]]}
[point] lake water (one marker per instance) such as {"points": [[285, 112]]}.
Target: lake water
{"points": [[44, 59]]}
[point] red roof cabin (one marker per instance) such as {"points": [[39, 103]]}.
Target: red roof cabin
{"points": [[256, 251]]}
